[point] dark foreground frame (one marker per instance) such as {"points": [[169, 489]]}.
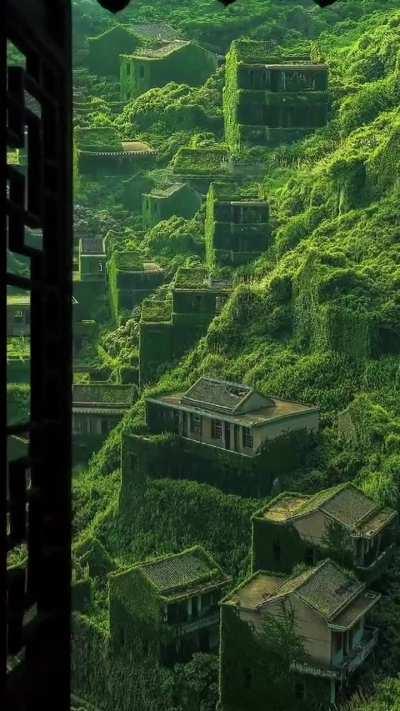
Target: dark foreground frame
{"points": [[35, 500]]}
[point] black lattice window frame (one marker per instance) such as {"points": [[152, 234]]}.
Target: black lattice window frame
{"points": [[35, 505]]}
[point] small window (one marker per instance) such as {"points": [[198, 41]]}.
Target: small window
{"points": [[195, 424], [299, 690], [309, 556], [141, 71], [247, 438], [276, 549], [18, 315], [100, 266], [247, 677], [216, 429]]}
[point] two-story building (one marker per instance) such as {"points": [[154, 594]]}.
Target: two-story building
{"points": [[96, 410], [341, 522], [92, 259], [231, 416], [167, 607], [196, 300], [328, 608]]}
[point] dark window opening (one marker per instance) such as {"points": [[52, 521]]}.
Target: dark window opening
{"points": [[141, 71], [195, 424], [247, 678], [299, 690], [216, 429], [309, 556], [276, 549], [248, 440]]}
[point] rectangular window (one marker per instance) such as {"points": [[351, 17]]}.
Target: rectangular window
{"points": [[299, 690], [100, 266], [248, 440], [195, 424], [337, 642], [216, 429]]}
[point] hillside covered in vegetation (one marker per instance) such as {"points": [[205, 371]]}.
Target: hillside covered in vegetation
{"points": [[315, 319]]}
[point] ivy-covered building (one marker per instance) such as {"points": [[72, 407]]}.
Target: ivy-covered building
{"points": [[165, 201], [237, 228], [167, 607], [180, 61], [341, 522], [201, 165], [100, 153], [92, 259], [270, 100], [224, 434], [104, 50], [169, 329], [96, 410], [130, 280], [229, 416], [328, 609]]}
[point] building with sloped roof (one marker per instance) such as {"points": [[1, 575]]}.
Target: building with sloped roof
{"points": [[163, 202], [104, 50], [231, 416], [329, 610], [342, 522], [180, 61], [96, 410], [168, 606], [269, 100]]}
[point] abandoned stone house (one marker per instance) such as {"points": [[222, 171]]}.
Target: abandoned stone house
{"points": [[201, 165], [164, 202], [237, 228], [271, 100], [92, 259], [329, 609], [96, 410], [104, 50], [341, 522], [130, 280], [99, 152], [180, 61], [168, 334], [167, 608], [229, 416]]}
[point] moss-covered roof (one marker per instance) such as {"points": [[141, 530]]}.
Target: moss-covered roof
{"points": [[167, 191], [97, 138], [226, 395], [211, 160], [157, 53], [326, 588], [154, 311], [179, 573], [103, 393], [346, 503], [190, 277], [226, 192], [92, 245], [265, 52]]}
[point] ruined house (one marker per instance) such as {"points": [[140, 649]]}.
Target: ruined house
{"points": [[329, 609], [96, 410], [130, 280], [341, 522], [92, 259], [180, 61], [229, 416], [167, 607], [104, 50], [170, 329], [165, 201], [100, 153], [270, 100], [237, 228]]}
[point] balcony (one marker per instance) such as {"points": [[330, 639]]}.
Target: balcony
{"points": [[349, 664], [207, 620], [373, 568]]}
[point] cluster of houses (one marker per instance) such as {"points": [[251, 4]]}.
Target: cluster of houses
{"points": [[175, 605]]}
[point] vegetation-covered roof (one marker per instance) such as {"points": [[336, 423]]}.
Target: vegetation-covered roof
{"points": [[100, 138], [102, 393]]}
